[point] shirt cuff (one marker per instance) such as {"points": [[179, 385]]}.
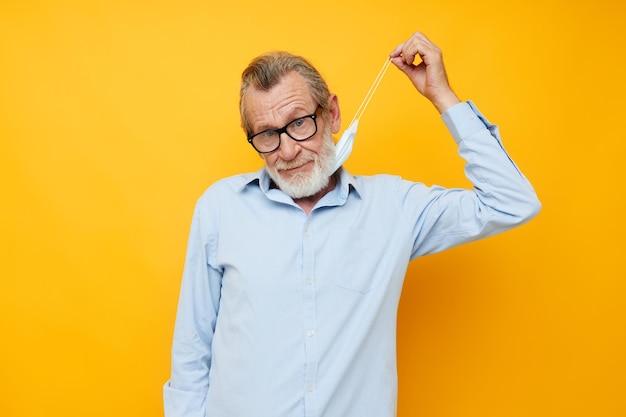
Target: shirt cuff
{"points": [[463, 119]]}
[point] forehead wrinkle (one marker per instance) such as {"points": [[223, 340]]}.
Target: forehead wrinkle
{"points": [[285, 102]]}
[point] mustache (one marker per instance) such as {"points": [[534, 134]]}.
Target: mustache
{"points": [[284, 165]]}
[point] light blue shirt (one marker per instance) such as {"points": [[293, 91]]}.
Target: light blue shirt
{"points": [[286, 315]]}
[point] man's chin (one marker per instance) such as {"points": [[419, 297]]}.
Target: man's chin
{"points": [[293, 179], [300, 189]]}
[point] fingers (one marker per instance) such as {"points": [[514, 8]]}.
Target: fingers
{"points": [[418, 44], [427, 73]]}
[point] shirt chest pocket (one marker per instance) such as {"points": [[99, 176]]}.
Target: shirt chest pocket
{"points": [[361, 259]]}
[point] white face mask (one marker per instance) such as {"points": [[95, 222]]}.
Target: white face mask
{"points": [[343, 148]]}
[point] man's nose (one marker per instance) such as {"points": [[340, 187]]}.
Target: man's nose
{"points": [[289, 148]]}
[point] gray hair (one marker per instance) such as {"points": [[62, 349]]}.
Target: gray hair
{"points": [[267, 70]]}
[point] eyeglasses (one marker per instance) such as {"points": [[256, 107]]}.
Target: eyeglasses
{"points": [[302, 128]]}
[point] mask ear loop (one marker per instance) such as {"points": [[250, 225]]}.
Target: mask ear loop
{"points": [[371, 91], [343, 148]]}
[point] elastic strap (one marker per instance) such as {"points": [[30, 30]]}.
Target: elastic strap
{"points": [[371, 91]]}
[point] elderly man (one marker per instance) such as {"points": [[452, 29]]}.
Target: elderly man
{"points": [[293, 273]]}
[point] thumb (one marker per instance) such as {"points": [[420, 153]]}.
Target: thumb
{"points": [[399, 62]]}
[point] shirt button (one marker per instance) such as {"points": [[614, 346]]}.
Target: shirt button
{"points": [[310, 388], [307, 234], [309, 281], [310, 333]]}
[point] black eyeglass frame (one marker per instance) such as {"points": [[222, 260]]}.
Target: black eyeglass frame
{"points": [[283, 129]]}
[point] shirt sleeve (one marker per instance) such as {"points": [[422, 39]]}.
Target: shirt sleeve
{"points": [[184, 395], [501, 197]]}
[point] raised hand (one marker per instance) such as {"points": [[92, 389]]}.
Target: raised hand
{"points": [[427, 73]]}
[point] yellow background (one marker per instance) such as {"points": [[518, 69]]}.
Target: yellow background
{"points": [[116, 115]]}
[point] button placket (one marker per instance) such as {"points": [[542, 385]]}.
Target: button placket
{"points": [[310, 321]]}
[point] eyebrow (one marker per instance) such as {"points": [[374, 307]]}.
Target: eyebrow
{"points": [[293, 118]]}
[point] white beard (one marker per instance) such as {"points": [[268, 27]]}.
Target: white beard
{"points": [[306, 185]]}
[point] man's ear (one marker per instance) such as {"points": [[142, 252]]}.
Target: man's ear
{"points": [[334, 114]]}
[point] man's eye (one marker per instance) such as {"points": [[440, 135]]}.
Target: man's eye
{"points": [[298, 123], [269, 133]]}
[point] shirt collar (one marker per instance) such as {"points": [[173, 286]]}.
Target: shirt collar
{"points": [[346, 183]]}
